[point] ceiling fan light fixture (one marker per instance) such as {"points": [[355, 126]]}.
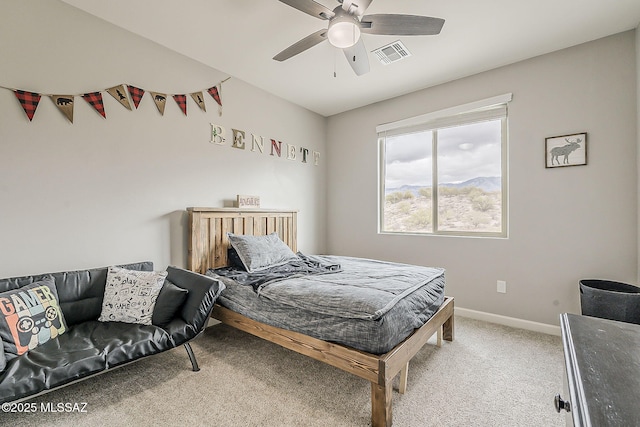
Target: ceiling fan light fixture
{"points": [[344, 31]]}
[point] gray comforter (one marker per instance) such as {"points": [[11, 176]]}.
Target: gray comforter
{"points": [[303, 266], [361, 289]]}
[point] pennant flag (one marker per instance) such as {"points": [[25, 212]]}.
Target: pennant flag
{"points": [[136, 95], [120, 95], [95, 100], [29, 102], [181, 100], [160, 99], [197, 97], [213, 91], [64, 104]]}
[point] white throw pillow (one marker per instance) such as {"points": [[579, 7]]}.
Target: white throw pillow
{"points": [[130, 296]]}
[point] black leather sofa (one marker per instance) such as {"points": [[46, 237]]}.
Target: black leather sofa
{"points": [[90, 347]]}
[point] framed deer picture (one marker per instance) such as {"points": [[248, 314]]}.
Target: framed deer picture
{"points": [[566, 150]]}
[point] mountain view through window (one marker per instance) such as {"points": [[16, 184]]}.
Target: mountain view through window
{"points": [[447, 180]]}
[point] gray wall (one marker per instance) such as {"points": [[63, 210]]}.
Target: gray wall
{"points": [[638, 123], [565, 223], [100, 192]]}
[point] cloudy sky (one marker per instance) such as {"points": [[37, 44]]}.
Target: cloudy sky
{"points": [[464, 152]]}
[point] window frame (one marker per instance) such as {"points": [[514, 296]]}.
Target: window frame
{"points": [[474, 112]]}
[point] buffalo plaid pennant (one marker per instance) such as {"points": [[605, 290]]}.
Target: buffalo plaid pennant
{"points": [[95, 99], [136, 94], [213, 91], [181, 100], [29, 102]]}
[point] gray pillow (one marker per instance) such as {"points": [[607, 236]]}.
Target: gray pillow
{"points": [[233, 259], [169, 301], [261, 252]]}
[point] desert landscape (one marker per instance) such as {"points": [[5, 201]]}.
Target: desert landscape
{"points": [[463, 208]]}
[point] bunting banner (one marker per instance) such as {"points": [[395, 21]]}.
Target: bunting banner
{"points": [[160, 99], [136, 95], [64, 104], [181, 100], [120, 95], [197, 97], [29, 102]]}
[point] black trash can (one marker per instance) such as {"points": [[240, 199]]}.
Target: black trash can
{"points": [[610, 300]]}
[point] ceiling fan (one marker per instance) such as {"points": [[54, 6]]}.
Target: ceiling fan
{"points": [[347, 21]]}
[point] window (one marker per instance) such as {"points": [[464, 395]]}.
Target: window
{"points": [[445, 172]]}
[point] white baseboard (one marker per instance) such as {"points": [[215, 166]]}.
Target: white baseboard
{"points": [[508, 321]]}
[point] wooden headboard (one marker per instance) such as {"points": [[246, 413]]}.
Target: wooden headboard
{"points": [[208, 229]]}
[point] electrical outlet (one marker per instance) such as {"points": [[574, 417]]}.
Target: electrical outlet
{"points": [[502, 286]]}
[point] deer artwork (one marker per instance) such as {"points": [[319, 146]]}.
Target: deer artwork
{"points": [[565, 150]]}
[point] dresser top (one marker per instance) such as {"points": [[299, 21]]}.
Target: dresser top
{"points": [[603, 370]]}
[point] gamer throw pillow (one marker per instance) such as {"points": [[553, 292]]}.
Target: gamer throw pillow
{"points": [[29, 317]]}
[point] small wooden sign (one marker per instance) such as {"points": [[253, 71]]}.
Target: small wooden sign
{"points": [[248, 201]]}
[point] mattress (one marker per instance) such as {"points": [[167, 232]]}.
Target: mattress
{"points": [[366, 304]]}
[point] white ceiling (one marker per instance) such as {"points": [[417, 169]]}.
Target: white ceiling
{"points": [[240, 38]]}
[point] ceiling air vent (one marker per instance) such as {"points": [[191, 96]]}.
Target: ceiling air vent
{"points": [[392, 52]]}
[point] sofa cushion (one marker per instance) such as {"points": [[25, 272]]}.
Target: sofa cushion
{"points": [[169, 301], [80, 292], [130, 296], [83, 350], [30, 316], [126, 344]]}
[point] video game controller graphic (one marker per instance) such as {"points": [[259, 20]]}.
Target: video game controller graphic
{"points": [[28, 326]]}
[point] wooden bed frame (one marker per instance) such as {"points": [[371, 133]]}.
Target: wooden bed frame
{"points": [[208, 244]]}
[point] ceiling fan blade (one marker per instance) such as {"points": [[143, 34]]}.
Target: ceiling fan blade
{"points": [[356, 6], [401, 25], [311, 7], [302, 45], [357, 57]]}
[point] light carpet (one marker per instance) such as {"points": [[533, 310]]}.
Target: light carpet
{"points": [[491, 375]]}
